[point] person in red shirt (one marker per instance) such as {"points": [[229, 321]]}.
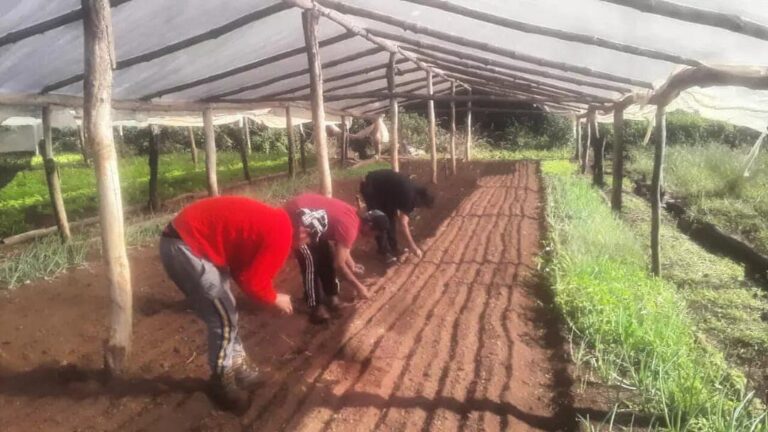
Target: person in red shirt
{"points": [[320, 260], [217, 239]]}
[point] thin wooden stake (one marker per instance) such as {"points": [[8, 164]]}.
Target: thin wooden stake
{"points": [[210, 152], [154, 157], [585, 147], [291, 143], [578, 140], [598, 151], [244, 145], [394, 136], [453, 130], [468, 148], [343, 141], [432, 128], [53, 180], [192, 145], [310, 21], [82, 144], [247, 135], [618, 159], [97, 122], [658, 166]]}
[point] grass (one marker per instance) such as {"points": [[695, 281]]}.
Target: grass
{"points": [[710, 179], [726, 306], [46, 257], [24, 200], [637, 329]]}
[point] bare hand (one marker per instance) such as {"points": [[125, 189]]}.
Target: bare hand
{"points": [[358, 269], [362, 292], [419, 254], [283, 304]]}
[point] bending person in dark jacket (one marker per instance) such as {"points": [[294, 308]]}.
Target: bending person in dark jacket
{"points": [[397, 197]]}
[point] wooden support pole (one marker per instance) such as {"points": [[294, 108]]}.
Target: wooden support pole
{"points": [[244, 145], [453, 130], [247, 135], [394, 137], [618, 159], [97, 121], [658, 165], [343, 140], [210, 152], [303, 152], [598, 152], [468, 147], [53, 180], [291, 143], [310, 21], [432, 128], [585, 145], [192, 145], [578, 140], [83, 145], [154, 157]]}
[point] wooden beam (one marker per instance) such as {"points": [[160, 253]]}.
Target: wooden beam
{"points": [[82, 143], [463, 66], [752, 77], [416, 96], [618, 160], [210, 153], [658, 166], [585, 145], [598, 153], [453, 130], [291, 142], [247, 135], [554, 33], [692, 14], [373, 100], [394, 113], [343, 141], [577, 155], [350, 26], [154, 157], [371, 79], [432, 128], [244, 68], [47, 25], [490, 48], [192, 145], [245, 143], [468, 147], [261, 84], [97, 121], [430, 48], [53, 180], [310, 20], [180, 45]]}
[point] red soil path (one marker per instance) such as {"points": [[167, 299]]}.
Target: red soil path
{"points": [[463, 339]]}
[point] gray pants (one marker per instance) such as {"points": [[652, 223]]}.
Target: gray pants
{"points": [[207, 290]]}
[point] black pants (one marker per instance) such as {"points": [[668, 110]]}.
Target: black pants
{"points": [[318, 272], [386, 238]]}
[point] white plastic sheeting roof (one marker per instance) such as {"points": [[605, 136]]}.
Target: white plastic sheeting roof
{"points": [[264, 57]]}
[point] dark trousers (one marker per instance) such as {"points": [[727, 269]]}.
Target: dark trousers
{"points": [[318, 272], [386, 240]]}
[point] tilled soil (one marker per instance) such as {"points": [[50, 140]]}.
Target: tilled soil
{"points": [[463, 339]]}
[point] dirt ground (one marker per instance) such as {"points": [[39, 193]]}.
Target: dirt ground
{"points": [[462, 339]]}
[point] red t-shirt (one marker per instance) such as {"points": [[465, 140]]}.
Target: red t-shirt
{"points": [[343, 221], [249, 237]]}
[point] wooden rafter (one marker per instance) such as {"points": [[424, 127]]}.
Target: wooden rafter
{"points": [[485, 60], [486, 47], [692, 14], [555, 33], [261, 84], [334, 78], [48, 25], [350, 26], [245, 68], [182, 44], [422, 86]]}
